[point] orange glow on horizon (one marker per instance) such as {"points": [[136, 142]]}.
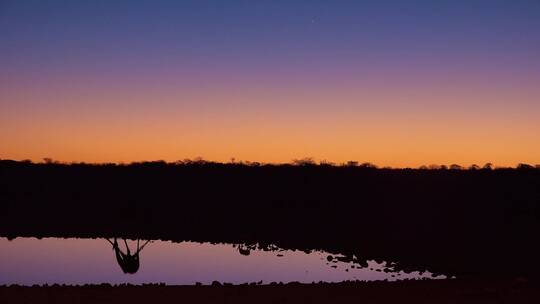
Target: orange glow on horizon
{"points": [[398, 130]]}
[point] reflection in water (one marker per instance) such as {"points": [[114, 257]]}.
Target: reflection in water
{"points": [[129, 263], [29, 261], [244, 249]]}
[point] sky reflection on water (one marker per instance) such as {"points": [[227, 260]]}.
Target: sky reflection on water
{"points": [[29, 261]]}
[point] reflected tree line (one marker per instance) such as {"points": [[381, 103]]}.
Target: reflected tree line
{"points": [[446, 219]]}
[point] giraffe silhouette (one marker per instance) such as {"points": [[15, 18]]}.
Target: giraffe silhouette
{"points": [[128, 262]]}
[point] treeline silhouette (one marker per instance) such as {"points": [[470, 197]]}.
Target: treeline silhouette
{"points": [[483, 221], [307, 161]]}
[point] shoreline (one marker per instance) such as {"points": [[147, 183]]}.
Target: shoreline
{"points": [[516, 290]]}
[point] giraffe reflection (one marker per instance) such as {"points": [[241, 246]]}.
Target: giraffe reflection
{"points": [[128, 262]]}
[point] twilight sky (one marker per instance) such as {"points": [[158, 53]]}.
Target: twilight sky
{"points": [[398, 83]]}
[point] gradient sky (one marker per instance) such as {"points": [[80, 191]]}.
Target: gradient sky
{"points": [[397, 83]]}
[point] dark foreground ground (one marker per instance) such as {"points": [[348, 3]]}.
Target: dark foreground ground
{"points": [[467, 223], [438, 291]]}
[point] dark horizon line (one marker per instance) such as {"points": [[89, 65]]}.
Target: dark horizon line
{"points": [[308, 161]]}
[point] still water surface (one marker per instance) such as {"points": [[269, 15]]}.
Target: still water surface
{"points": [[28, 261]]}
